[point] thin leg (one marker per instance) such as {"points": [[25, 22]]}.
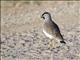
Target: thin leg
{"points": [[53, 44]]}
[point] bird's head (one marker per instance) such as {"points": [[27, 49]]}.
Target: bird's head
{"points": [[46, 16]]}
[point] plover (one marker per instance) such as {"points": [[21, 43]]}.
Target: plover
{"points": [[51, 29]]}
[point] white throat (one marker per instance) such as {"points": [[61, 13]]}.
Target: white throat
{"points": [[47, 19]]}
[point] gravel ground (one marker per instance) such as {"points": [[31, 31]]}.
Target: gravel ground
{"points": [[21, 30]]}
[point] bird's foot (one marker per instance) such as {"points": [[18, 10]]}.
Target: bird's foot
{"points": [[53, 44]]}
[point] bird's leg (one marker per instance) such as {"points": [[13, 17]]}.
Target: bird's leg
{"points": [[53, 44]]}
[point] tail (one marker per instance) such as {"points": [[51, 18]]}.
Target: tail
{"points": [[60, 37], [62, 41]]}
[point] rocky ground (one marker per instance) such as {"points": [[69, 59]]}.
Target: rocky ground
{"points": [[21, 30]]}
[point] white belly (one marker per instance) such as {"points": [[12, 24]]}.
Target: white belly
{"points": [[48, 35]]}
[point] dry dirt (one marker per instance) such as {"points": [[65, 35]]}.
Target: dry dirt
{"points": [[21, 30]]}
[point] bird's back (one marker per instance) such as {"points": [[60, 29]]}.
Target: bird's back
{"points": [[53, 29]]}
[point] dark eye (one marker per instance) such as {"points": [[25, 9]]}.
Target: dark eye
{"points": [[43, 17]]}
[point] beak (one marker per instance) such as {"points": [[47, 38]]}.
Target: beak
{"points": [[42, 17]]}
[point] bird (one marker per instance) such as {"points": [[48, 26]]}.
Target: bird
{"points": [[51, 29]]}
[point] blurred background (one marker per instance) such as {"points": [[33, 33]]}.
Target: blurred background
{"points": [[21, 30], [26, 14]]}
